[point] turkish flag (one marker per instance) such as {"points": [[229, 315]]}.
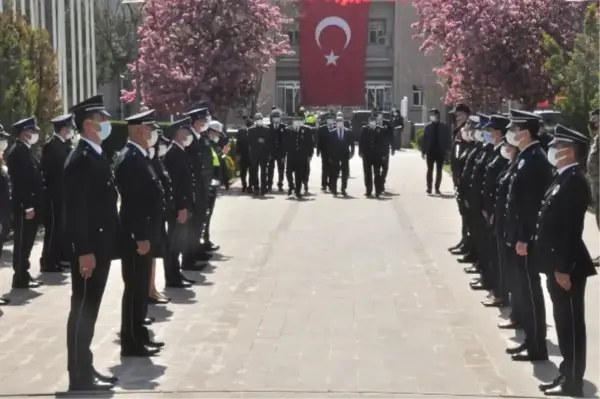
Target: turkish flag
{"points": [[333, 44]]}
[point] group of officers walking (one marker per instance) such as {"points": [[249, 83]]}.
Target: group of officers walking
{"points": [[167, 186], [263, 148], [523, 194]]}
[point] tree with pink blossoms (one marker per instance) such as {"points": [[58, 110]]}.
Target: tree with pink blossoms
{"points": [[493, 50], [206, 50]]}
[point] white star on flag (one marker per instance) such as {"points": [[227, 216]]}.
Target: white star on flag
{"points": [[331, 58]]}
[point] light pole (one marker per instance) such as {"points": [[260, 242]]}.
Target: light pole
{"points": [[141, 3]]}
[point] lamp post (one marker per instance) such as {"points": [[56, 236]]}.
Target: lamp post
{"points": [[129, 4]]}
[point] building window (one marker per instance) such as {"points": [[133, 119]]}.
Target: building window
{"points": [[417, 97], [377, 34], [294, 36], [288, 96], [378, 94]]}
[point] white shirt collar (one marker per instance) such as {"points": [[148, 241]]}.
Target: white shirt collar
{"points": [[178, 145], [139, 147], [529, 145], [561, 170], [196, 134], [60, 137], [24, 142], [95, 146]]}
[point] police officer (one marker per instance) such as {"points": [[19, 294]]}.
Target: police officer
{"points": [[141, 215], [494, 133], [27, 198], [278, 131], [260, 146], [311, 122], [214, 133], [54, 155], [341, 150], [243, 154], [388, 128], [323, 132], [298, 145], [372, 148], [529, 183], [177, 164], [564, 257], [199, 152], [593, 166], [5, 197], [91, 229]]}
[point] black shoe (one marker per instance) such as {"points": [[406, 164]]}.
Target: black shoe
{"points": [[437, 192], [494, 303], [526, 357], [334, 192], [139, 352], [477, 286], [93, 385], [156, 301], [324, 189], [516, 350], [203, 257], [244, 189], [298, 195], [250, 190], [553, 384], [4, 301], [107, 379], [280, 188], [178, 284], [511, 325], [25, 285], [305, 190], [290, 191], [460, 251], [471, 270], [155, 344], [565, 389], [458, 246], [187, 280], [468, 258], [428, 191], [212, 247], [344, 193], [149, 320], [196, 267]]}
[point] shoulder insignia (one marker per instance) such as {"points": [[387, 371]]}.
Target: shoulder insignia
{"points": [[520, 164], [556, 189]]}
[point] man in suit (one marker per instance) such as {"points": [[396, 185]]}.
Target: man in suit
{"points": [[141, 215], [243, 154], [260, 146], [27, 199], [91, 229], [278, 131], [341, 150], [54, 155], [322, 151], [564, 257], [388, 129], [436, 144]]}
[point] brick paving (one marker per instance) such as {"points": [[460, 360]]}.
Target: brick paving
{"points": [[328, 297]]}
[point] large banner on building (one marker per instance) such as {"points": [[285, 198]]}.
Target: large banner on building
{"points": [[333, 43]]}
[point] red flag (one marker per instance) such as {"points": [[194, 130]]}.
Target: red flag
{"points": [[333, 43]]}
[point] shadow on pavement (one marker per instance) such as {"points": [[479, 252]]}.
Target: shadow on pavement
{"points": [[54, 278], [19, 296], [217, 257], [590, 390], [67, 394], [181, 296], [137, 373], [160, 313]]}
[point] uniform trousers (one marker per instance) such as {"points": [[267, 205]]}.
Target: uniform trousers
{"points": [[307, 172], [258, 173], [498, 258], [195, 226], [244, 164], [52, 252], [296, 172], [212, 199], [530, 304], [337, 166], [280, 163], [136, 270], [24, 237], [86, 297], [385, 168], [325, 170], [569, 318], [434, 159], [372, 168], [169, 254]]}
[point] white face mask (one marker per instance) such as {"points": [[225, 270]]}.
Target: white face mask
{"points": [[3, 145], [151, 152], [340, 124], [553, 156], [478, 136], [34, 138], [188, 140], [276, 121], [162, 150], [296, 124], [504, 152], [153, 138], [215, 139], [511, 138], [372, 123], [330, 122], [259, 122], [69, 135], [433, 118], [465, 135]]}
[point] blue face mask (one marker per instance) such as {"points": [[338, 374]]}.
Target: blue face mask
{"points": [[487, 137], [105, 130]]}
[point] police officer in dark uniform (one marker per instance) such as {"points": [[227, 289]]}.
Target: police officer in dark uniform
{"points": [[243, 154], [178, 166], [298, 145], [5, 198], [199, 153], [372, 148], [529, 183], [260, 146], [91, 229], [278, 131], [141, 215], [388, 129], [27, 198], [341, 150], [214, 134], [323, 132], [54, 155], [495, 130], [564, 257]]}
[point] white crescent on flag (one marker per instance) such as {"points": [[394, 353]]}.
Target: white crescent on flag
{"points": [[333, 21]]}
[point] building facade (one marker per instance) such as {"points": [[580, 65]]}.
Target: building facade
{"points": [[394, 66]]}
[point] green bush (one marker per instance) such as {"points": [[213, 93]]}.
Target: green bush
{"points": [[418, 139]]}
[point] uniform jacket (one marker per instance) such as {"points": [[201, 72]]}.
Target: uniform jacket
{"points": [[260, 142], [277, 139], [339, 149], [532, 177], [90, 203], [5, 196], [458, 146], [241, 145], [490, 180], [179, 169], [201, 160], [559, 243], [502, 185], [54, 156], [165, 181], [444, 140], [477, 176], [322, 140], [26, 177], [373, 142], [299, 143], [141, 195], [593, 167]]}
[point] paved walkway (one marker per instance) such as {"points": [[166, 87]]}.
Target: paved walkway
{"points": [[328, 297]]}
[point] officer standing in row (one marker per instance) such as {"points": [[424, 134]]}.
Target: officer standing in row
{"points": [[27, 198], [298, 145], [531, 179], [593, 166], [278, 131], [54, 155], [214, 133], [564, 257], [243, 153], [177, 164], [260, 145], [91, 229], [372, 148], [323, 132], [141, 213]]}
